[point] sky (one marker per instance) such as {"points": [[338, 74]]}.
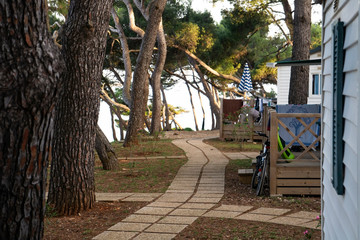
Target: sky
{"points": [[178, 95]]}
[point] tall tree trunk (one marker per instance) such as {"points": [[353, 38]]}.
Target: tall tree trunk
{"points": [[192, 106], [105, 151], [115, 108], [156, 81], [167, 111], [288, 17], [113, 126], [212, 120], [126, 58], [299, 80], [203, 111], [29, 87], [72, 187], [121, 126], [140, 81], [215, 107]]}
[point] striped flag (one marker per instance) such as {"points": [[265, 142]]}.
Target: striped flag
{"points": [[245, 83]]}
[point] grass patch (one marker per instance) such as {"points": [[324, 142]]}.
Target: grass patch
{"points": [[141, 175], [50, 212], [240, 163], [148, 147], [153, 175], [234, 146]]}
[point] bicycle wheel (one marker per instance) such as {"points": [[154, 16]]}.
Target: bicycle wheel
{"points": [[261, 181], [254, 179], [255, 176]]}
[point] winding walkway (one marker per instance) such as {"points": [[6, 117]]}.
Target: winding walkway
{"points": [[196, 189]]}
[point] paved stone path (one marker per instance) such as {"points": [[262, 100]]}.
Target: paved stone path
{"points": [[194, 192]]}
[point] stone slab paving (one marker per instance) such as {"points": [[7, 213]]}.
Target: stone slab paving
{"points": [[179, 191], [208, 195], [197, 187], [289, 220], [130, 227], [114, 235], [164, 204], [138, 199], [139, 218], [205, 200], [198, 205], [166, 228], [154, 236], [255, 217], [154, 210], [111, 197], [188, 212], [174, 197], [312, 224], [303, 214], [221, 214], [233, 208], [271, 211], [210, 191], [178, 219]]}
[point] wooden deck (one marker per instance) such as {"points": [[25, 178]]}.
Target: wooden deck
{"points": [[300, 176]]}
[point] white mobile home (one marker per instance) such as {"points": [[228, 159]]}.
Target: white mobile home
{"points": [[340, 120], [283, 80]]}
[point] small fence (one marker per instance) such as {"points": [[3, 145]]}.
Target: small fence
{"points": [[232, 128], [301, 175]]}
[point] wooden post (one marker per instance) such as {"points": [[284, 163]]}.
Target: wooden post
{"points": [[221, 119], [273, 152], [251, 122]]}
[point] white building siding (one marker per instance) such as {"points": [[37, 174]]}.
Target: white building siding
{"points": [[341, 212], [283, 83]]}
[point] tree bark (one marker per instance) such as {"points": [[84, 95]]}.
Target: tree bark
{"points": [[156, 81], [203, 111], [72, 187], [288, 17], [105, 151], [29, 87], [192, 106], [113, 129], [299, 80], [215, 107], [167, 111], [139, 92], [126, 58]]}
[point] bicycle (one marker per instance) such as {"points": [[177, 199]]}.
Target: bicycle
{"points": [[260, 176]]}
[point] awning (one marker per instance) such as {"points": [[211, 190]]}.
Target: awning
{"points": [[298, 62]]}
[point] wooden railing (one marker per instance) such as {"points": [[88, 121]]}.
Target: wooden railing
{"points": [[301, 174]]}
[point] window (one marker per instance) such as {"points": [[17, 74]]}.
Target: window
{"points": [[338, 106], [316, 84]]}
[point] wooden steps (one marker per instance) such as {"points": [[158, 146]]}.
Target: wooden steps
{"points": [[300, 177]]}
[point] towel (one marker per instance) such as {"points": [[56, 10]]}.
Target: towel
{"points": [[295, 125]]}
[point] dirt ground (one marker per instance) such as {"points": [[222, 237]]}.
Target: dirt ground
{"points": [[89, 224]]}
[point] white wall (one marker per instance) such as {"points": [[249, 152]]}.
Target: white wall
{"points": [[283, 82], [341, 212], [314, 69]]}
